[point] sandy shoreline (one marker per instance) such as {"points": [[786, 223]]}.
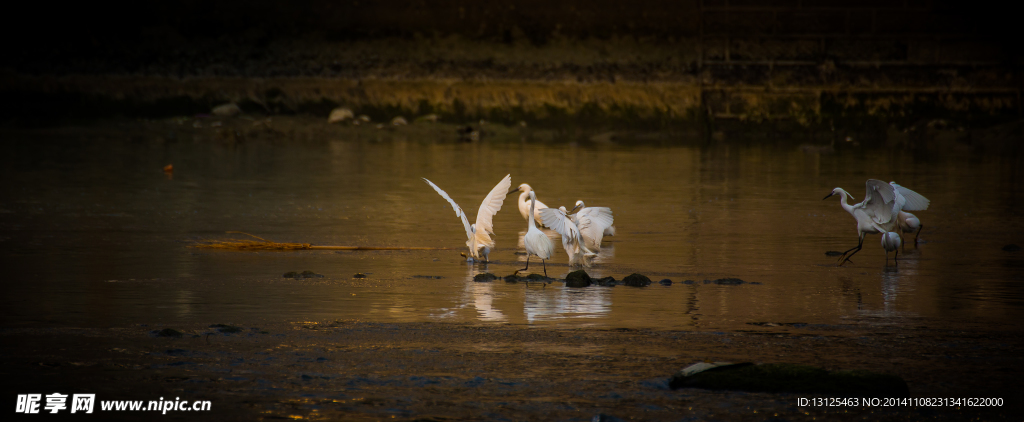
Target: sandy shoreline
{"points": [[441, 371]]}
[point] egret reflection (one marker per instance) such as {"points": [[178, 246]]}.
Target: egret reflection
{"points": [[547, 304]]}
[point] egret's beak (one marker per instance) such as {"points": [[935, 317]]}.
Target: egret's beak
{"points": [[574, 210], [512, 191], [829, 196]]}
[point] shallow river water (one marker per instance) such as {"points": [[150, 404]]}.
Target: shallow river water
{"points": [[94, 233]]}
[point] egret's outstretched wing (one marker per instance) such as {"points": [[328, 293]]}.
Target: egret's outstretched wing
{"points": [[600, 216], [913, 201], [556, 220], [880, 201], [458, 210], [593, 223], [490, 206]]}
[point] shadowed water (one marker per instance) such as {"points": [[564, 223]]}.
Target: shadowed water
{"points": [[93, 233]]}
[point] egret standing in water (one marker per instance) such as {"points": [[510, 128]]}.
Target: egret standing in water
{"points": [[909, 200], [876, 214], [594, 223], [559, 221], [480, 242], [525, 204], [537, 243], [891, 242]]}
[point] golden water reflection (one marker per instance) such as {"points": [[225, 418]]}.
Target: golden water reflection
{"points": [[80, 214]]}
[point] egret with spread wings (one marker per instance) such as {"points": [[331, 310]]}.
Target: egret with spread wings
{"points": [[909, 200], [559, 221], [875, 214], [594, 223], [480, 241]]}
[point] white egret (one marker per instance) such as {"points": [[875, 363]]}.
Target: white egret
{"points": [[559, 221], [480, 242], [525, 203], [536, 242], [909, 200], [594, 223], [891, 242], [876, 214]]}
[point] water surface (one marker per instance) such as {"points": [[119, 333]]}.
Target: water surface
{"points": [[93, 233]]}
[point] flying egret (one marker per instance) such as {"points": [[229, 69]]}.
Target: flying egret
{"points": [[525, 204], [876, 214], [480, 242], [891, 242], [909, 200], [536, 242], [594, 223], [559, 221]]}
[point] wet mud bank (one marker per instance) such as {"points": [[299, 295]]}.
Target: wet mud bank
{"points": [[439, 371]]}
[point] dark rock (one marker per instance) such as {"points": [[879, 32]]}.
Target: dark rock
{"points": [[511, 278], [601, 417], [304, 274], [606, 281], [636, 280], [484, 277], [688, 282], [359, 275], [578, 278], [536, 277], [793, 378], [1011, 248], [224, 328], [169, 332], [666, 282], [833, 253], [725, 281]]}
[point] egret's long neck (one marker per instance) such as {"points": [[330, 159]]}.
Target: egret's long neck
{"points": [[842, 200], [533, 203]]}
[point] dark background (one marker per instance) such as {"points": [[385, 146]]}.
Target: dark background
{"points": [[957, 60]]}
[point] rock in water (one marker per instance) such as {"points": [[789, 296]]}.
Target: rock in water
{"points": [[790, 378], [484, 277], [578, 278], [340, 114], [636, 280], [399, 121], [227, 110], [169, 332], [432, 118]]}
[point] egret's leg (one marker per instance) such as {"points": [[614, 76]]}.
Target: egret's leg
{"points": [[916, 235], [545, 267], [845, 257], [527, 265], [895, 259]]}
